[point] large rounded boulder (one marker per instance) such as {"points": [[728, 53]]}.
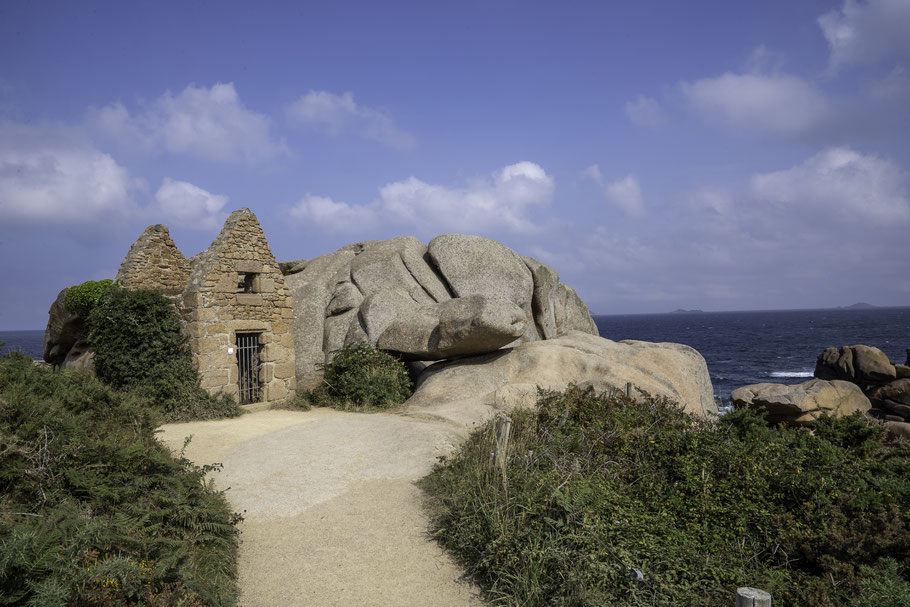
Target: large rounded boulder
{"points": [[481, 385], [459, 296]]}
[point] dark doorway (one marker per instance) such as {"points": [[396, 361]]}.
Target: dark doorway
{"points": [[248, 366]]}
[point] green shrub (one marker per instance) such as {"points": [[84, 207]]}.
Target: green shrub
{"points": [[138, 340], [596, 486], [82, 299], [95, 511], [360, 378]]}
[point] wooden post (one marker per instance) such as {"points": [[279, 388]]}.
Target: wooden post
{"points": [[752, 597], [628, 389], [503, 431]]}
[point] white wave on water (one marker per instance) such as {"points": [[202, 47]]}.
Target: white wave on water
{"points": [[792, 374]]}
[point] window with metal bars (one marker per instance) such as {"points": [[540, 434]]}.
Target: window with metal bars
{"points": [[248, 367]]}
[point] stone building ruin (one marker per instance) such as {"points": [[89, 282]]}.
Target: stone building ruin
{"points": [[237, 311]]}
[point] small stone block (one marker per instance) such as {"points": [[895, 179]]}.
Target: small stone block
{"points": [[752, 597]]}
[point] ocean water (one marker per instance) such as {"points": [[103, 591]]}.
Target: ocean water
{"points": [[744, 348], [740, 348], [30, 343]]}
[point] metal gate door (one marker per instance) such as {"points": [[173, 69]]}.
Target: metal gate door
{"points": [[248, 367]]}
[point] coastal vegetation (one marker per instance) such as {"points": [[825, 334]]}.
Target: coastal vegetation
{"points": [[361, 378], [139, 345], [81, 299], [606, 500], [95, 511]]}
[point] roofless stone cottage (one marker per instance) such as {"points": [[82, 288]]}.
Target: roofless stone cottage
{"points": [[237, 311]]}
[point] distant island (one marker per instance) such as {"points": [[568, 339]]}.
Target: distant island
{"points": [[681, 311], [857, 306]]}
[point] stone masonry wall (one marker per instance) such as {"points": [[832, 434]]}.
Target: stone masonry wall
{"points": [[154, 262], [215, 311]]}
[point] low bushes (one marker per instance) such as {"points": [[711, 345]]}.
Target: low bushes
{"points": [[82, 299], [93, 510], [362, 378], [596, 487], [138, 340]]}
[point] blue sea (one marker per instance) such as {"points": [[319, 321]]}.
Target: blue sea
{"points": [[744, 348], [30, 343], [740, 347]]}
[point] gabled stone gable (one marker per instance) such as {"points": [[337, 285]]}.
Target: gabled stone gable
{"points": [[154, 262], [215, 311]]}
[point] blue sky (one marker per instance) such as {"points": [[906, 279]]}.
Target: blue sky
{"points": [[714, 155]]}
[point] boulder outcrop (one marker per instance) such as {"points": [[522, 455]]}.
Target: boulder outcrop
{"points": [[804, 403], [898, 429], [457, 327], [886, 385], [863, 365], [65, 335], [509, 378], [458, 296]]}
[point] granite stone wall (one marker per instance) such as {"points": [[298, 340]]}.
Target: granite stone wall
{"points": [[216, 307], [234, 286], [154, 262]]}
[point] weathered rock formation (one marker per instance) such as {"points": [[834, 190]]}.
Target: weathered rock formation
{"points": [[804, 403], [893, 399], [862, 365], [460, 295], [886, 385], [65, 343], [509, 378]]}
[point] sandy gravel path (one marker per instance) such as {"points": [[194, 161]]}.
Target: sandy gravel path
{"points": [[332, 515]]}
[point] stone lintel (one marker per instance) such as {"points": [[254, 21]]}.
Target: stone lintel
{"points": [[246, 326], [248, 265]]}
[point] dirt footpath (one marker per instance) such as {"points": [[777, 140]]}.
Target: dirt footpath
{"points": [[332, 515]]}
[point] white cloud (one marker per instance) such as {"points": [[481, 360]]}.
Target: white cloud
{"points": [[338, 113], [866, 32], [185, 205], [593, 173], [842, 183], [49, 175], [500, 201], [645, 111], [894, 87], [338, 217], [210, 123], [626, 194], [779, 103]]}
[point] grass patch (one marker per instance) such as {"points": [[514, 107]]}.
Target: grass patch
{"points": [[597, 486], [362, 378], [93, 509]]}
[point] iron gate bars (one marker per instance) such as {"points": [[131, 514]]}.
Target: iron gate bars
{"points": [[248, 367]]}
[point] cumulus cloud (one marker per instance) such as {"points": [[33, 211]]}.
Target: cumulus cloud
{"points": [[339, 113], [182, 204], [841, 182], [803, 233], [780, 103], [209, 123], [866, 32], [645, 111], [50, 175], [334, 216], [624, 193], [501, 201]]}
